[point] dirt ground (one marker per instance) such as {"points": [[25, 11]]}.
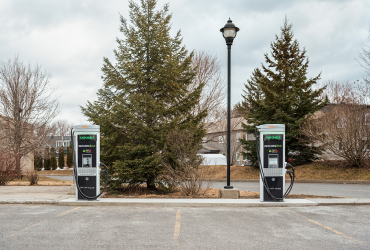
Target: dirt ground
{"points": [[210, 193]]}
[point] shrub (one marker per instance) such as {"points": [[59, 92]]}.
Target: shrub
{"points": [[7, 168], [33, 177], [183, 170], [53, 159]]}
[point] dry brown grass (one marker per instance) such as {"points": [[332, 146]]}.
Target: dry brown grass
{"points": [[236, 172], [43, 181], [56, 172]]}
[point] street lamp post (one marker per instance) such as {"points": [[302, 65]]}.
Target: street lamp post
{"points": [[229, 33]]}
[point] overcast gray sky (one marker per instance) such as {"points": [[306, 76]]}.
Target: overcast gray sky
{"points": [[69, 38]]}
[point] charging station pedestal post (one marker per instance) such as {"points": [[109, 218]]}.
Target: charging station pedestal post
{"points": [[86, 160], [272, 160]]}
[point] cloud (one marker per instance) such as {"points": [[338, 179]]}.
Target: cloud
{"points": [[70, 38]]}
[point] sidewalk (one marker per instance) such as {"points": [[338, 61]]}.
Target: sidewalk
{"points": [[58, 195]]}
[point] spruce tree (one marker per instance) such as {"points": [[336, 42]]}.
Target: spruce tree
{"points": [[69, 156], [53, 159], [144, 96], [281, 93], [61, 157]]}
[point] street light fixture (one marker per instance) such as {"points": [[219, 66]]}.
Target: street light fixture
{"points": [[229, 33]]}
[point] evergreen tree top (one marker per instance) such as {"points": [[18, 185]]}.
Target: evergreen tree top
{"points": [[281, 88]]}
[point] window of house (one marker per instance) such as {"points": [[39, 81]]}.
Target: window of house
{"points": [[367, 118], [246, 137], [342, 122], [204, 139], [237, 136], [237, 156], [221, 139], [66, 143], [59, 144]]}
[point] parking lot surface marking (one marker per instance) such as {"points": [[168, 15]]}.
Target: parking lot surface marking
{"points": [[36, 224], [177, 227], [326, 227]]}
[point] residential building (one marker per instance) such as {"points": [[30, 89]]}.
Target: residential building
{"points": [[215, 141]]}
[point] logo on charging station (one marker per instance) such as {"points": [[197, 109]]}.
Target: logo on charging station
{"points": [[273, 151]]}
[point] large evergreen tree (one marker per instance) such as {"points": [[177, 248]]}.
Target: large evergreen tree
{"points": [[144, 96], [281, 93]]}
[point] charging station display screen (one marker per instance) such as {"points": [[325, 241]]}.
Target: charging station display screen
{"points": [[87, 137], [272, 137], [273, 150], [273, 161], [86, 145]]}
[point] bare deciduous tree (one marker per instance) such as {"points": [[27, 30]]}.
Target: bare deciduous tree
{"points": [[212, 98], [343, 127], [183, 171], [27, 107], [220, 126], [63, 128]]}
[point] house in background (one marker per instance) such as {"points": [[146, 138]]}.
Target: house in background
{"points": [[215, 140], [57, 142]]}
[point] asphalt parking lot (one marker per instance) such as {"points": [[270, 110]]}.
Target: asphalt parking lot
{"points": [[66, 227]]}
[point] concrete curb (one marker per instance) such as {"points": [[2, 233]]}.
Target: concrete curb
{"points": [[296, 181], [343, 201], [28, 202], [154, 202]]}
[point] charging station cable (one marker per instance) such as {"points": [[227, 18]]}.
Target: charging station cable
{"points": [[76, 178], [291, 174]]}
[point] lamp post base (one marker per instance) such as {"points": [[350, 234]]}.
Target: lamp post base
{"points": [[228, 193], [228, 187]]}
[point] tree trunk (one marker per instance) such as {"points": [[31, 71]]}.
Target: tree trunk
{"points": [[18, 165], [150, 183]]}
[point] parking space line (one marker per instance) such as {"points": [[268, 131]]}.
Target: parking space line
{"points": [[326, 227], [27, 228], [176, 233], [67, 211]]}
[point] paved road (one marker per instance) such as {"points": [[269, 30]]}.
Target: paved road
{"points": [[64, 227], [338, 190], [61, 177]]}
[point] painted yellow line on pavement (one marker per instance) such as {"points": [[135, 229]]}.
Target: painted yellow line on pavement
{"points": [[68, 211], [27, 228], [326, 227], [176, 233]]}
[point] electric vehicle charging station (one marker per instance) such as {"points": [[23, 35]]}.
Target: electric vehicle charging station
{"points": [[270, 146], [86, 161]]}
